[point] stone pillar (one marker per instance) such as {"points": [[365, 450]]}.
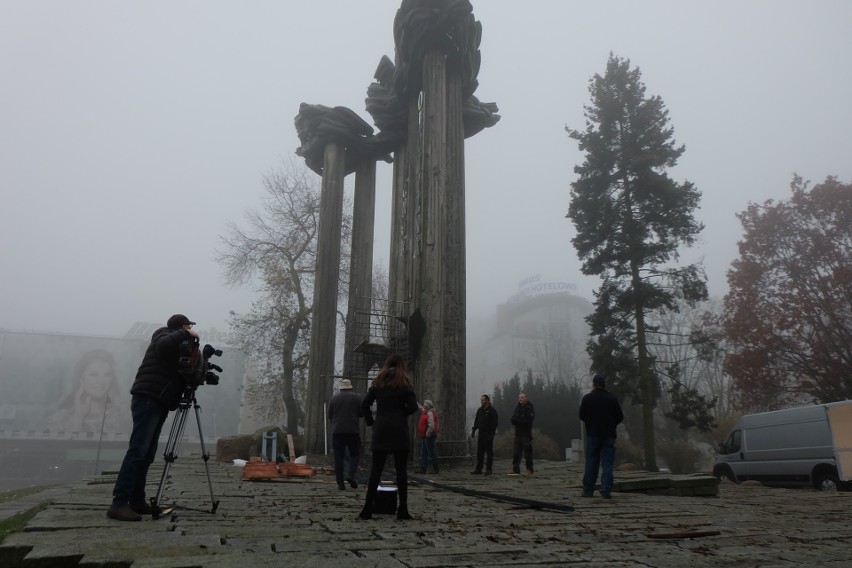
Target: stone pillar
{"points": [[403, 226], [440, 249], [360, 269], [324, 313]]}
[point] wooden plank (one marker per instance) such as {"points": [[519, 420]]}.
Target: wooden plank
{"points": [[684, 534], [292, 448]]}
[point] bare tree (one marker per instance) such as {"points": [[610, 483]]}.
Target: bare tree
{"points": [[557, 353], [278, 249]]}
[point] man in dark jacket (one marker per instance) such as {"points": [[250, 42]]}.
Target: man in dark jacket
{"points": [[522, 420], [601, 413], [486, 423], [344, 410], [156, 390]]}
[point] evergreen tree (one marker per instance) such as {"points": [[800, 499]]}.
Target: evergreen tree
{"points": [[556, 406], [630, 219]]}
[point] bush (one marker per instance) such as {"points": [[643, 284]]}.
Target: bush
{"points": [[544, 447], [681, 457], [628, 452]]}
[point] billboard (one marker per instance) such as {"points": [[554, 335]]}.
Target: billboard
{"points": [[69, 386]]}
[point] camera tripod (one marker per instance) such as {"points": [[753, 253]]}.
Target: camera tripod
{"points": [[170, 455]]}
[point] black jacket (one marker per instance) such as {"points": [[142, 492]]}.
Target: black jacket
{"points": [[485, 421], [601, 412], [523, 418], [390, 427], [158, 377]]}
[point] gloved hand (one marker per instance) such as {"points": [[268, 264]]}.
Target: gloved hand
{"points": [[472, 433]]}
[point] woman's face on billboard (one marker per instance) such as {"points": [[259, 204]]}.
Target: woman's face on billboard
{"points": [[97, 378]]}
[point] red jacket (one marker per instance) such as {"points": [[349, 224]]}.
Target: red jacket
{"points": [[427, 425]]}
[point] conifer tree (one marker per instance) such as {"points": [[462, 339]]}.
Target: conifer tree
{"points": [[630, 218]]}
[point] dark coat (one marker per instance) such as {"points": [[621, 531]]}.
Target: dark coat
{"points": [[344, 409], [390, 426], [522, 419], [158, 377], [485, 421], [601, 412]]}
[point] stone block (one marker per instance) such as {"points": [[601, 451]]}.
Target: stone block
{"points": [[230, 448]]}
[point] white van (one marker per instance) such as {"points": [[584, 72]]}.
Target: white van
{"points": [[808, 445]]}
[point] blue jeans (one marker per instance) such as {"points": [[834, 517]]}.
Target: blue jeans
{"points": [[339, 444], [148, 419], [428, 453], [600, 453]]}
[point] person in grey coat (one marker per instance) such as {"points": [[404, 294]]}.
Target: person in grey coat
{"points": [[393, 394], [344, 410]]}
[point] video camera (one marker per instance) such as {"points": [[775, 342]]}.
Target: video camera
{"points": [[194, 364]]}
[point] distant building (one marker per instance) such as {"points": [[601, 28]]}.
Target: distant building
{"points": [[65, 404], [541, 329]]}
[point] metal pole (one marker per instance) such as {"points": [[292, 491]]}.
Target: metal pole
{"points": [[101, 437]]}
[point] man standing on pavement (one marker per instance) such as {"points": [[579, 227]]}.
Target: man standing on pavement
{"points": [[601, 413], [486, 423], [522, 420], [344, 410], [156, 390]]}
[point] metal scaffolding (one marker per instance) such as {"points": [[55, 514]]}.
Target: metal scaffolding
{"points": [[372, 334]]}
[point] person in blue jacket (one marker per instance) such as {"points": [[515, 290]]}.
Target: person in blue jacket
{"points": [[601, 412]]}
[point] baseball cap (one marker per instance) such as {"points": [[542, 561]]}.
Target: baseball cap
{"points": [[177, 321]]}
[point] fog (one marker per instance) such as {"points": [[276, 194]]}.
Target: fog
{"points": [[133, 132]]}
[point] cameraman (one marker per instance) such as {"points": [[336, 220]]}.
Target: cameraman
{"points": [[157, 390]]}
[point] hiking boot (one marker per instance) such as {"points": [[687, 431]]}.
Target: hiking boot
{"points": [[528, 473], [123, 513], [476, 472], [606, 496], [587, 495], [352, 483], [142, 508]]}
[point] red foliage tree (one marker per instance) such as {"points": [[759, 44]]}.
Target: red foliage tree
{"points": [[788, 312]]}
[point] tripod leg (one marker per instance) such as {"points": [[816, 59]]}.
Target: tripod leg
{"points": [[205, 455], [170, 454]]}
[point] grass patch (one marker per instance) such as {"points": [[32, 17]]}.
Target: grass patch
{"points": [[7, 496], [18, 522]]}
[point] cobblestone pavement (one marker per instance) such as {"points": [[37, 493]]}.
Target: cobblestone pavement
{"points": [[308, 523]]}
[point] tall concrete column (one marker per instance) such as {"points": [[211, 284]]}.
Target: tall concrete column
{"points": [[403, 225], [360, 268], [324, 315], [440, 248]]}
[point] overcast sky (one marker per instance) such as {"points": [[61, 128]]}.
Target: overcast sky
{"points": [[131, 132]]}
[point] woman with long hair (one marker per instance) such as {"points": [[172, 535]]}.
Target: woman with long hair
{"points": [[93, 399], [395, 401]]}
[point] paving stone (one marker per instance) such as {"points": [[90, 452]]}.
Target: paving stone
{"points": [[309, 522]]}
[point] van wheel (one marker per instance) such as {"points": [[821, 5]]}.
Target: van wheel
{"points": [[725, 472], [826, 481]]}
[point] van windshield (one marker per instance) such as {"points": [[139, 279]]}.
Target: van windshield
{"points": [[733, 443]]}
